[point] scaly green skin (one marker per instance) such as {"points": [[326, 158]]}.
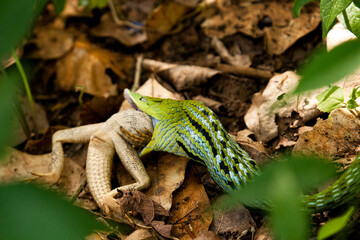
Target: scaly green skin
{"points": [[188, 128]]}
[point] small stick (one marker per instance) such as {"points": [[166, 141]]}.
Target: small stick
{"points": [[247, 71], [136, 84]]}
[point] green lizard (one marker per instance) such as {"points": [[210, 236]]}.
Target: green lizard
{"points": [[188, 128]]}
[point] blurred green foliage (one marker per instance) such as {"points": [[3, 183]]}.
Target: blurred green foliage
{"points": [[324, 68], [30, 212]]}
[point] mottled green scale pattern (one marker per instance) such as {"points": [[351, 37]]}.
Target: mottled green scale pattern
{"points": [[193, 130], [341, 191], [188, 128]]}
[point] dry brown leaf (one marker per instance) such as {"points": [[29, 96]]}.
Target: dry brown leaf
{"points": [[255, 149], [127, 36], [163, 19], [335, 137], [18, 133], [181, 76], [147, 208], [87, 65], [273, 102], [272, 20], [100, 109], [233, 223], [141, 234], [16, 165], [19, 166], [264, 233], [191, 211], [166, 172], [49, 43], [207, 235]]}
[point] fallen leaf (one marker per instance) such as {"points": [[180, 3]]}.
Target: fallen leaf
{"points": [[19, 166], [141, 234], [181, 76], [163, 19], [256, 150], [166, 172], [147, 208], [275, 102], [191, 211], [233, 223], [87, 66], [49, 43], [125, 35], [207, 235], [264, 233], [40, 125], [272, 20], [100, 109], [335, 137]]}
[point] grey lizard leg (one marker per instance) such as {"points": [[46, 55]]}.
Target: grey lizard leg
{"points": [[73, 135]]}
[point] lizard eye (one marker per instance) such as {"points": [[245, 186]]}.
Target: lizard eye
{"points": [[143, 99]]}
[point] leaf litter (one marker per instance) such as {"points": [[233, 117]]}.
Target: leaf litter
{"points": [[227, 65]]}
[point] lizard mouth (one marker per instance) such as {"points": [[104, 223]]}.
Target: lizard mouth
{"points": [[130, 101]]}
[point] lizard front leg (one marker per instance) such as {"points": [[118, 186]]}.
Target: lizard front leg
{"points": [[73, 135]]}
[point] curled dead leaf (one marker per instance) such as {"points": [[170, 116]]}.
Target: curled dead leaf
{"points": [[181, 76]]}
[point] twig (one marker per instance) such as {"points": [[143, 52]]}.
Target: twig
{"points": [[136, 84], [247, 71]]}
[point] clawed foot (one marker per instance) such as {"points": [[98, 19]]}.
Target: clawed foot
{"points": [[49, 178]]}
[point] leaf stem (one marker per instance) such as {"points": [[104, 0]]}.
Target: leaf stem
{"points": [[27, 89]]}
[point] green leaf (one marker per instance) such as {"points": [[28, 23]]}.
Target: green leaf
{"points": [[329, 10], [355, 93], [330, 99], [351, 104], [350, 18], [16, 19], [29, 212], [298, 4], [325, 68], [59, 6], [335, 225]]}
